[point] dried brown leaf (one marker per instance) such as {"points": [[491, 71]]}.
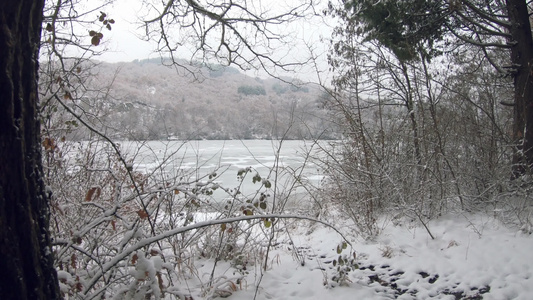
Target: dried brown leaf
{"points": [[49, 144], [67, 96], [95, 40], [73, 261], [142, 214], [93, 193]]}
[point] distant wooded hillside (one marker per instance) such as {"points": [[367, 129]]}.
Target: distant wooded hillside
{"points": [[148, 100]]}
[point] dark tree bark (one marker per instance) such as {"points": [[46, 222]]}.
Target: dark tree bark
{"points": [[522, 59], [26, 262]]}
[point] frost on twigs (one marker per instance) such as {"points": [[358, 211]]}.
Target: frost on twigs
{"points": [[123, 233]]}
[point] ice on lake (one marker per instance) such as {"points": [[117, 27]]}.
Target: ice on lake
{"points": [[285, 164]]}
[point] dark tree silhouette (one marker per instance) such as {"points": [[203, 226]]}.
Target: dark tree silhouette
{"points": [[26, 261]]}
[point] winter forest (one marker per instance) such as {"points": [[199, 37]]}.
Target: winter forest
{"points": [[295, 149]]}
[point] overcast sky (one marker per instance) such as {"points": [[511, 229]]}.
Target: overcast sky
{"points": [[124, 41]]}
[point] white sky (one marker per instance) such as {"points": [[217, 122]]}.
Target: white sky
{"points": [[124, 41]]}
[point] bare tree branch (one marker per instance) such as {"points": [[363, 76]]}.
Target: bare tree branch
{"points": [[147, 241], [228, 32]]}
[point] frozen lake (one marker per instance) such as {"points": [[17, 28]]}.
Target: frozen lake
{"points": [[285, 165]]}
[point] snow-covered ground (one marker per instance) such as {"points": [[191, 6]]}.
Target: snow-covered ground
{"points": [[471, 257]]}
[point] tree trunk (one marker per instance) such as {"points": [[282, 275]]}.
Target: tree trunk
{"points": [[26, 261], [522, 58], [410, 105]]}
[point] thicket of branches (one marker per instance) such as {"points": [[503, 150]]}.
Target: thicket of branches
{"points": [[124, 233], [429, 122]]}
